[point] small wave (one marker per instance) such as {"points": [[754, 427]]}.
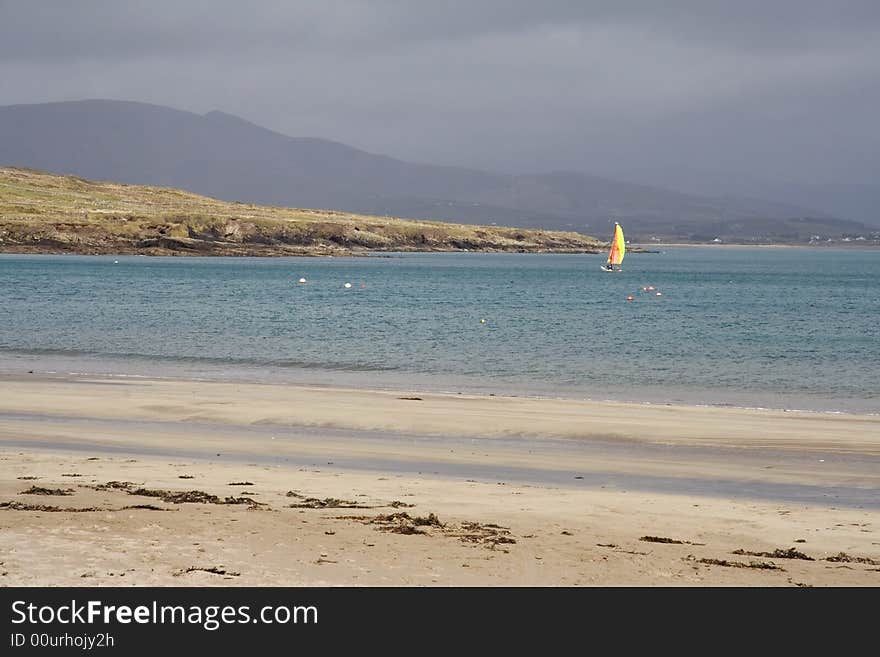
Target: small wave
{"points": [[285, 363], [336, 367], [46, 351]]}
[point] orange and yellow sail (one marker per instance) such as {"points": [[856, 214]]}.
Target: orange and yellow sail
{"points": [[618, 246]]}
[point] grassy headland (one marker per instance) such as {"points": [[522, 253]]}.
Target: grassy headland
{"points": [[46, 213]]}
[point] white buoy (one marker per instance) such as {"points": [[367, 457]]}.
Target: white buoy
{"points": [[115, 262], [302, 280], [347, 285]]}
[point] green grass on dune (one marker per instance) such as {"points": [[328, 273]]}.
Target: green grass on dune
{"points": [[41, 212]]}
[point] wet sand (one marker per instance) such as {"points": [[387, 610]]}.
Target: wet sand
{"points": [[288, 485]]}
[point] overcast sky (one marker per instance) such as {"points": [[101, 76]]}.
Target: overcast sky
{"points": [[777, 89]]}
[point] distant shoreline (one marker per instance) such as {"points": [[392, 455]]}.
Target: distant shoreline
{"points": [[690, 245], [259, 252], [42, 213], [281, 252], [46, 213]]}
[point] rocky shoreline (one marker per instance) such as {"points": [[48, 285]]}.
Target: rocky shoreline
{"points": [[192, 247]]}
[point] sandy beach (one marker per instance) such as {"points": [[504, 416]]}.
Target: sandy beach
{"points": [[156, 482]]}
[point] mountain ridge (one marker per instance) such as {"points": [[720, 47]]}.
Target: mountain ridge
{"points": [[227, 157]]}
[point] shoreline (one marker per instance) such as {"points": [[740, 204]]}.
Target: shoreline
{"points": [[378, 409], [461, 391], [872, 246], [168, 483], [427, 384], [294, 251]]}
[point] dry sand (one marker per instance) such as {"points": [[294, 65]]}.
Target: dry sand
{"points": [[306, 486]]}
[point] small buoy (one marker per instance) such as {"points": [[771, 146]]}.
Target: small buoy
{"points": [[302, 280], [482, 321], [347, 285], [629, 298], [115, 262], [659, 294], [363, 285]]}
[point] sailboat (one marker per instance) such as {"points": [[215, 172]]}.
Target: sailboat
{"points": [[617, 250]]}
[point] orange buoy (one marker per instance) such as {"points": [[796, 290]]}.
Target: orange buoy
{"points": [[629, 298]]}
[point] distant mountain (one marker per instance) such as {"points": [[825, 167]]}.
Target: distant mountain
{"points": [[226, 157], [857, 201]]}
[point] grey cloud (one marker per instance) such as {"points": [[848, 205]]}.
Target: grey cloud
{"points": [[138, 28], [785, 88]]}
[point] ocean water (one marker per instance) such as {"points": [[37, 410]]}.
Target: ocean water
{"points": [[754, 327]]}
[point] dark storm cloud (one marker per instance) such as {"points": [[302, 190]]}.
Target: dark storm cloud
{"points": [[135, 28], [787, 88]]}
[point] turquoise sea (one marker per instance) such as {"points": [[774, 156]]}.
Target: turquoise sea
{"points": [[755, 327]]}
